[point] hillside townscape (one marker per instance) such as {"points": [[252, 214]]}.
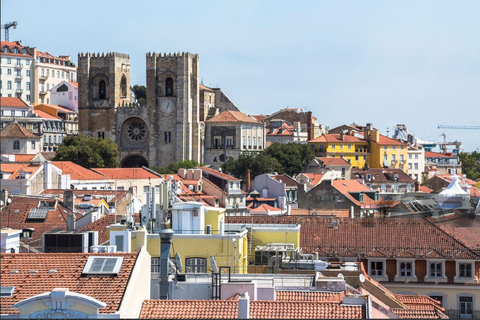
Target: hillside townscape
{"points": [[168, 201]]}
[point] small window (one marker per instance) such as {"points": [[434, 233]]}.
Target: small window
{"points": [[196, 265], [16, 144], [155, 266], [435, 270], [465, 270], [7, 291], [169, 87], [438, 298], [168, 137], [146, 188], [406, 269], [97, 265], [102, 90], [376, 268], [123, 86]]}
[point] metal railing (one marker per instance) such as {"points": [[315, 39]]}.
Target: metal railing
{"points": [[455, 314]]}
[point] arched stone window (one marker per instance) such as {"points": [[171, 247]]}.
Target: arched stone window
{"points": [[169, 87], [123, 86], [102, 90]]}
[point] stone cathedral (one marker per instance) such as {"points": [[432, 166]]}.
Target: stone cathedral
{"points": [[165, 130]]}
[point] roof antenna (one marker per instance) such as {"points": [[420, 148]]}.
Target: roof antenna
{"points": [[388, 130]]}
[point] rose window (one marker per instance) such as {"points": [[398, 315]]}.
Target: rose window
{"points": [[136, 131]]}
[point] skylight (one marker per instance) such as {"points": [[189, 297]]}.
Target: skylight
{"points": [[97, 265], [7, 291]]}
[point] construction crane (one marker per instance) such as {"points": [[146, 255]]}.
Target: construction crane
{"points": [[443, 145], [8, 26], [458, 127]]}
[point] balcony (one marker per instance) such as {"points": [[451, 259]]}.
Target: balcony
{"points": [[18, 77], [43, 78], [18, 90], [42, 92], [18, 66]]}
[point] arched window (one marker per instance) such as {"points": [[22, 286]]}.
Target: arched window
{"points": [[5, 49], [102, 90], [123, 86], [169, 87]]}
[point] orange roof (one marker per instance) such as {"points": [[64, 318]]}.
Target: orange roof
{"points": [[282, 131], [12, 102], [205, 88], [75, 84], [430, 154], [347, 186], [219, 174], [127, 173], [24, 157], [233, 116], [228, 309], [44, 115], [69, 267], [334, 161], [309, 296], [343, 213], [335, 138], [259, 117], [11, 45], [15, 130], [54, 106], [314, 178], [15, 168], [265, 208], [77, 172], [383, 140], [425, 189], [419, 302]]}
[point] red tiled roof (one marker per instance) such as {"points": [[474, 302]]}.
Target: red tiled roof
{"points": [[335, 138], [228, 309], [382, 175], [383, 140], [314, 178], [126, 173], [430, 154], [69, 267], [289, 182], [189, 309], [15, 130], [419, 302], [259, 117], [304, 310], [463, 228], [369, 237], [55, 106], [347, 186], [44, 115], [15, 168], [425, 189], [15, 216], [75, 84], [24, 157], [11, 45], [335, 213], [232, 116], [77, 172], [418, 314], [264, 208], [334, 161], [219, 174], [12, 102]]}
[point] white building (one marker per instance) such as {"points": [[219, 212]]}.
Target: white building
{"points": [[416, 162], [17, 71], [65, 94]]}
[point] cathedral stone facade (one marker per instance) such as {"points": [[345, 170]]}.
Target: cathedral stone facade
{"points": [[165, 130]]}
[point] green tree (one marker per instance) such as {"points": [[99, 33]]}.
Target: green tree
{"points": [[140, 93], [257, 162], [470, 164], [88, 152], [292, 156], [173, 167]]}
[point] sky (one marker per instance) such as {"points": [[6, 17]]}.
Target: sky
{"points": [[382, 62]]}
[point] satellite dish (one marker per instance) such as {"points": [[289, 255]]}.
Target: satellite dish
{"points": [[178, 262], [340, 275], [9, 200], [361, 277], [214, 264]]}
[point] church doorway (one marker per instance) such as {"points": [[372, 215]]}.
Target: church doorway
{"points": [[134, 162]]}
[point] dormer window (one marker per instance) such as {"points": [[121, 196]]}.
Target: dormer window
{"points": [[24, 50], [5, 49], [15, 50]]}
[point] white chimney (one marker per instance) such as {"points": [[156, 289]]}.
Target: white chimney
{"points": [[244, 306]]}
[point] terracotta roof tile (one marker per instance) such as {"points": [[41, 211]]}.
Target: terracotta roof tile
{"points": [[15, 168], [203, 87], [15, 130], [69, 267], [335, 138], [189, 309], [430, 154], [15, 216], [309, 296], [77, 172], [462, 228], [101, 226], [392, 237], [334, 161], [75, 84], [233, 116], [12, 102], [127, 173], [219, 174], [11, 45], [55, 106], [44, 115], [419, 302], [382, 175], [418, 314], [383, 140], [265, 208], [345, 187], [19, 157], [289, 181]]}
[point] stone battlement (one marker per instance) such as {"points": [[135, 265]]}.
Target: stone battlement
{"points": [[131, 105], [169, 54], [102, 55]]}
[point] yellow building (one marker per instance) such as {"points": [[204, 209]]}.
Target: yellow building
{"points": [[385, 151], [349, 146]]}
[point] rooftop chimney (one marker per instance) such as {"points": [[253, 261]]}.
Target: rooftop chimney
{"points": [[70, 222], [166, 236], [68, 199], [244, 306]]}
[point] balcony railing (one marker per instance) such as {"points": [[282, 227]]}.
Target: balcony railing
{"points": [[18, 90], [43, 78], [42, 93], [455, 314], [18, 77], [18, 66]]}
